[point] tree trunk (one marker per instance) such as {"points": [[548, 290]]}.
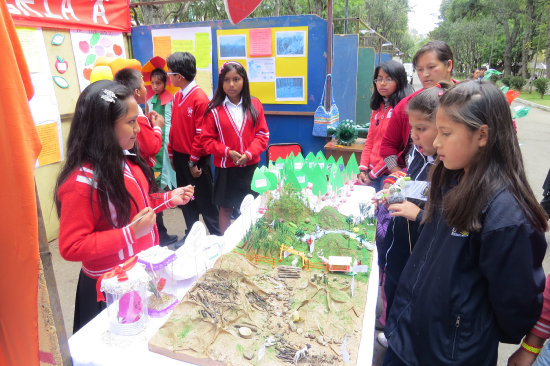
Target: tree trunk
{"points": [[153, 14], [510, 41], [527, 36], [548, 47], [277, 7]]}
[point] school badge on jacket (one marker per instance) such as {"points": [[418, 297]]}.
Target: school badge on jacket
{"points": [[461, 234], [189, 111]]}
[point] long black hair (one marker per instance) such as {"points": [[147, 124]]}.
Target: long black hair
{"points": [[397, 72], [496, 165], [92, 140], [219, 95]]}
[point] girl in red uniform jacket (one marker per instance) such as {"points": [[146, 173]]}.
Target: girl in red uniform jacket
{"points": [[235, 132], [103, 187], [390, 86]]}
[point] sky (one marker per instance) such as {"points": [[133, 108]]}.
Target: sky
{"points": [[423, 15]]}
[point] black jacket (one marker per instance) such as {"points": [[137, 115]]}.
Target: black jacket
{"points": [[461, 293], [402, 234]]}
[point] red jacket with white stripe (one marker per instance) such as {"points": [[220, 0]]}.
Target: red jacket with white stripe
{"points": [[370, 157], [542, 327], [84, 233], [149, 138], [187, 120], [220, 134]]}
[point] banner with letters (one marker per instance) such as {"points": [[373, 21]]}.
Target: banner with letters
{"points": [[102, 15]]}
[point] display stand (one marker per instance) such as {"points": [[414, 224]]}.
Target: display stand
{"points": [[94, 345]]}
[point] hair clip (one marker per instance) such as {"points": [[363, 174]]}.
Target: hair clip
{"points": [[108, 95], [441, 92], [229, 63]]}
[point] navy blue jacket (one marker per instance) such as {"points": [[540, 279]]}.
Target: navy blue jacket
{"points": [[402, 234], [461, 293]]}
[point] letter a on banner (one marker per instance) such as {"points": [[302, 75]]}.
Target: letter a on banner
{"points": [[237, 10]]}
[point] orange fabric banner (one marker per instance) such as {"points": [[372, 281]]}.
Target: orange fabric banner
{"points": [[19, 148], [102, 15]]}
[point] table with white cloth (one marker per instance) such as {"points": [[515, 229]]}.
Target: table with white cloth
{"points": [[95, 345]]}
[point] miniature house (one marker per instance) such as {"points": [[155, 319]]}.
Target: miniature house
{"points": [[339, 264]]}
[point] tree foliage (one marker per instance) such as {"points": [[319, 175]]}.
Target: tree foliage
{"points": [[503, 33]]}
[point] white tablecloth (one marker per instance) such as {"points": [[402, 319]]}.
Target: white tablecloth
{"points": [[94, 345]]}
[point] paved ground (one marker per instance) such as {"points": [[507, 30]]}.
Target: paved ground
{"points": [[534, 136]]}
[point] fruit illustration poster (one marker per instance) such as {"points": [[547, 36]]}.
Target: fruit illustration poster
{"points": [[89, 45]]}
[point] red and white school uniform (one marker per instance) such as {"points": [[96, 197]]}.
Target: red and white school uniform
{"points": [[222, 133], [84, 233], [371, 160], [149, 138], [187, 118]]}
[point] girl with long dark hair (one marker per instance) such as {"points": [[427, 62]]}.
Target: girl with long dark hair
{"points": [[475, 277], [235, 132], [390, 86], [103, 187]]}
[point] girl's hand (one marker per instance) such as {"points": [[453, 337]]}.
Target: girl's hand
{"points": [[195, 171], [156, 119], [146, 224], [242, 160], [235, 156], [182, 195], [404, 209], [521, 358], [396, 169], [364, 179]]}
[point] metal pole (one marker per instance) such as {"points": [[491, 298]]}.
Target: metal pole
{"points": [[346, 21], [329, 52], [379, 50]]}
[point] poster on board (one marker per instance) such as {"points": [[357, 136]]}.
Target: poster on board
{"points": [[43, 104], [195, 40], [89, 45], [232, 46], [261, 69], [289, 89], [290, 43]]}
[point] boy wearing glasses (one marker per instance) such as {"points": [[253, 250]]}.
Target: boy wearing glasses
{"points": [[189, 160]]}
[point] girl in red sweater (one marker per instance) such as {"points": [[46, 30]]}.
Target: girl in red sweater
{"points": [[103, 187], [235, 132], [390, 86]]}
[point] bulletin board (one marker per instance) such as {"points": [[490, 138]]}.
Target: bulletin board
{"points": [[195, 40], [276, 61]]}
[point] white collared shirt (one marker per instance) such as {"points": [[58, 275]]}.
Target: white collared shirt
{"points": [[188, 88], [236, 111]]}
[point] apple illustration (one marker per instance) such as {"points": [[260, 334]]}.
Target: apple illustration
{"points": [[61, 65]]}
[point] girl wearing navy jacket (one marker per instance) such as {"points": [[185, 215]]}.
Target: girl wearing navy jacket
{"points": [[475, 277], [235, 132], [403, 228], [103, 187]]}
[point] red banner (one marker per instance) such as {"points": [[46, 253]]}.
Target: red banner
{"points": [[102, 15]]}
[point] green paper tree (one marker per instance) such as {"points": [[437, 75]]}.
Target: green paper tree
{"points": [[271, 180], [301, 176], [291, 181], [340, 163], [259, 182], [352, 169], [310, 160], [299, 162]]}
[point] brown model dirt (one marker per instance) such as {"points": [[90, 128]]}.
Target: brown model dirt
{"points": [[311, 319]]}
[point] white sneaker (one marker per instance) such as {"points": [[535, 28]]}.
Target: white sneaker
{"points": [[381, 338]]}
